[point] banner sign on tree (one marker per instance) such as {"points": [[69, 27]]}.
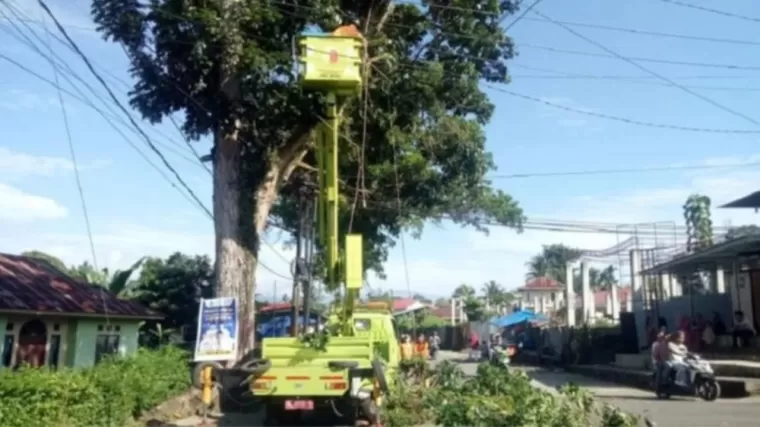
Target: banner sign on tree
{"points": [[217, 337]]}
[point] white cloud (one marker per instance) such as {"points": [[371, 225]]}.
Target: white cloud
{"points": [[18, 206], [14, 165], [119, 244]]}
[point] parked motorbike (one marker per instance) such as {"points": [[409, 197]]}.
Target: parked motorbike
{"points": [[702, 381]]}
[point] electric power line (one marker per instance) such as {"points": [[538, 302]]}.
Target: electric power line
{"points": [[715, 11], [653, 73], [121, 107], [90, 66], [652, 33]]}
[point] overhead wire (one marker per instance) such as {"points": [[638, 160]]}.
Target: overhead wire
{"points": [[118, 103], [78, 180], [65, 70], [710, 10], [651, 33], [701, 129], [651, 72], [142, 133], [600, 115]]}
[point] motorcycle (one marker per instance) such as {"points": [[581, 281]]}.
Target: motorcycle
{"points": [[702, 381]]}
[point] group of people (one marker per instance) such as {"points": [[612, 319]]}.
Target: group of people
{"points": [[425, 347], [670, 350], [701, 334]]}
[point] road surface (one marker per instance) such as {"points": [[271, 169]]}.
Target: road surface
{"points": [[676, 412]]}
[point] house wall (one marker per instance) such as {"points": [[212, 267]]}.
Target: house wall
{"points": [[552, 300], [85, 336], [77, 337]]}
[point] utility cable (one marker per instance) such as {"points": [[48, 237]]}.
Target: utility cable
{"points": [[715, 11], [142, 133], [622, 119], [648, 71], [121, 107], [65, 69], [78, 180], [651, 33]]}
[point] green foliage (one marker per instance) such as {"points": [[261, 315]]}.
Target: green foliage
{"points": [[552, 263], [424, 115], [475, 309], [109, 394], [696, 212], [495, 397], [173, 287]]}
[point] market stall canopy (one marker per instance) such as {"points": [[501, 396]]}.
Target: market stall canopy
{"points": [[519, 317]]}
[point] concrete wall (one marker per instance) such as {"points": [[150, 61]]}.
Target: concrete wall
{"points": [[85, 336]]}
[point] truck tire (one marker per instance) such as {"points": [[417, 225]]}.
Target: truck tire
{"points": [[255, 366], [195, 376], [378, 369]]}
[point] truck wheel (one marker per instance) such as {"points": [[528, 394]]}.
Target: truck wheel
{"points": [[198, 371], [255, 366]]}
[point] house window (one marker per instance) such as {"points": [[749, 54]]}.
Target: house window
{"points": [[106, 344], [8, 343]]}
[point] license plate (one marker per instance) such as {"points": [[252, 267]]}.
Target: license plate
{"points": [[299, 405]]}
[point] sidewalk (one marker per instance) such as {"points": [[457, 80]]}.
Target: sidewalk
{"points": [[731, 386]]}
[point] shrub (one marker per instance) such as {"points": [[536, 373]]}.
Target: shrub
{"points": [[494, 397], [109, 394]]}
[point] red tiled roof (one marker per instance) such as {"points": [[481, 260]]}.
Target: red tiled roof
{"points": [[29, 284], [278, 306], [402, 304], [600, 297], [542, 284]]}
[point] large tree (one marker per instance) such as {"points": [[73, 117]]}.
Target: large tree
{"points": [[228, 67], [174, 287]]}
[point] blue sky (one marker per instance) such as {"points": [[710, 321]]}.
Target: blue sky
{"points": [[135, 212]]}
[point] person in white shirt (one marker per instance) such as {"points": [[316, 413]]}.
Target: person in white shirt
{"points": [[677, 353], [742, 330]]}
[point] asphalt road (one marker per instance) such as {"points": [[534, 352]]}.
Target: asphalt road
{"points": [[676, 412]]}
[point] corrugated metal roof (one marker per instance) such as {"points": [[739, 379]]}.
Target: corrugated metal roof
{"points": [[29, 284]]}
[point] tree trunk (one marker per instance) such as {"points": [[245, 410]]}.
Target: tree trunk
{"points": [[236, 237]]}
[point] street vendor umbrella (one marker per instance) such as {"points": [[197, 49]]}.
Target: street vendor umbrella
{"points": [[515, 318]]}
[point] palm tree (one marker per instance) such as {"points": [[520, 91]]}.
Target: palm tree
{"points": [[118, 283], [552, 262], [463, 291]]}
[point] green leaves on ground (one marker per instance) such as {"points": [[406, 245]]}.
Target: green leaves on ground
{"points": [[109, 395], [494, 397]]}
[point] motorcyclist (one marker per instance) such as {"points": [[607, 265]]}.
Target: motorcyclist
{"points": [[677, 353]]}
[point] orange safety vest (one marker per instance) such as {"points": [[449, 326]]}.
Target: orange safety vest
{"points": [[421, 349], [406, 351]]}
